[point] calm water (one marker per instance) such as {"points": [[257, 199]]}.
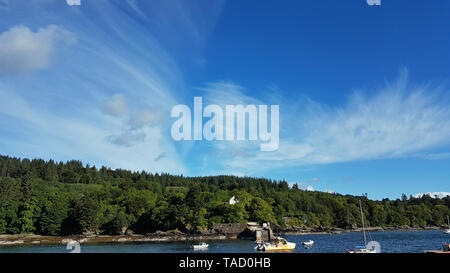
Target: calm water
{"points": [[391, 241]]}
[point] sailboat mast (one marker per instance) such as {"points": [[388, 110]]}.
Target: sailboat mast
{"points": [[362, 219]]}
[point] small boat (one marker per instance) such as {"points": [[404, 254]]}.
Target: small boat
{"points": [[259, 246], [200, 246], [362, 249], [278, 244], [308, 243], [445, 249], [448, 230], [371, 247]]}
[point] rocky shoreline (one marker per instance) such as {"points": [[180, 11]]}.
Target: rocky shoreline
{"points": [[177, 236], [32, 239], [330, 230]]}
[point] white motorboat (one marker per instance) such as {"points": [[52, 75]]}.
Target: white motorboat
{"points": [[308, 243], [200, 246]]}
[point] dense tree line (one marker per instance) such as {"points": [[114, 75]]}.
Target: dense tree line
{"points": [[56, 198]]}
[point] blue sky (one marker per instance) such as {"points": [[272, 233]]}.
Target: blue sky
{"points": [[363, 90]]}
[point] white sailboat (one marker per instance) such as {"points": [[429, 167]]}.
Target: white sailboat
{"points": [[448, 230], [367, 248]]}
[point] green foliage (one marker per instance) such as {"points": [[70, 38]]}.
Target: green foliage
{"points": [[117, 225], [137, 202], [169, 213], [8, 216], [260, 211], [26, 213], [84, 217], [195, 203], [51, 198], [54, 210], [70, 176]]}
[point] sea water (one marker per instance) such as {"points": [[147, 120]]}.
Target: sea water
{"points": [[390, 241]]}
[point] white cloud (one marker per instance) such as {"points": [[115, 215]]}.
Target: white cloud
{"points": [[115, 106], [22, 50], [143, 118], [132, 121], [76, 138], [127, 139], [433, 194], [305, 187], [302, 186]]}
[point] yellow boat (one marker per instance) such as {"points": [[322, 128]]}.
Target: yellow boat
{"points": [[279, 244]]}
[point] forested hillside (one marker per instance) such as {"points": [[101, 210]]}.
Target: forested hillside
{"points": [[56, 198]]}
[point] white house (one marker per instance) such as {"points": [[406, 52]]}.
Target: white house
{"points": [[233, 201]]}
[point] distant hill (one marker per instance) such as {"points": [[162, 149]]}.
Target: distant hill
{"points": [[56, 198]]}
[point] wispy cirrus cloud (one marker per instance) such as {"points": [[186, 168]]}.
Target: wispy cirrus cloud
{"points": [[397, 120], [226, 92], [400, 119]]}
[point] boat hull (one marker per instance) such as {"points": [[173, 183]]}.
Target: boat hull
{"points": [[200, 247], [362, 251], [308, 243], [280, 247]]}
